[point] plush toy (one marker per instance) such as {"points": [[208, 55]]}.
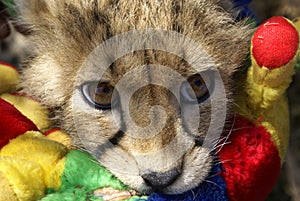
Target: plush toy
{"points": [[243, 9], [39, 165], [33, 165]]}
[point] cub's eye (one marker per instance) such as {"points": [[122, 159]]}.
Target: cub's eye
{"points": [[99, 94], [197, 88]]}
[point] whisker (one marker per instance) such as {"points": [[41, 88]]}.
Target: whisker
{"points": [[194, 194], [219, 147], [223, 162], [211, 182]]}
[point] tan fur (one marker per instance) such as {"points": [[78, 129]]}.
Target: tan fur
{"points": [[66, 31]]}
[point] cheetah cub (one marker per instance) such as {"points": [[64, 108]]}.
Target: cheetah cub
{"points": [[138, 83]]}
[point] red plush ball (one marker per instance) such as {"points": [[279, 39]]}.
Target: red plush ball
{"points": [[250, 161], [12, 123], [275, 43]]}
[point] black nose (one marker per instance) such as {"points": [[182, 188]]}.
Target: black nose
{"points": [[160, 180]]}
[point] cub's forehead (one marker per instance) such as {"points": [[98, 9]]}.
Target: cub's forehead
{"points": [[70, 30], [96, 22], [146, 66]]}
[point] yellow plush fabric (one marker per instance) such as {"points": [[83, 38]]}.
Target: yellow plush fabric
{"points": [[33, 147], [9, 78], [31, 109], [266, 86], [7, 191], [60, 136], [263, 95], [21, 178], [297, 24]]}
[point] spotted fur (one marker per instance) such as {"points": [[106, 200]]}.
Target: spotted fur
{"points": [[65, 32]]}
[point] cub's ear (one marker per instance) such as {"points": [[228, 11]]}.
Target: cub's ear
{"points": [[33, 12]]}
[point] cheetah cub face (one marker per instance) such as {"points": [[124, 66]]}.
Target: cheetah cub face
{"points": [[145, 86]]}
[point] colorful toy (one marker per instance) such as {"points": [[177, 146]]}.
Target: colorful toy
{"points": [[34, 166]]}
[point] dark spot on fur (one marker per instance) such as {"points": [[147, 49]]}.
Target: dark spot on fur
{"points": [[102, 19], [96, 4], [177, 27], [114, 3], [4, 46], [71, 9], [176, 9], [117, 138]]}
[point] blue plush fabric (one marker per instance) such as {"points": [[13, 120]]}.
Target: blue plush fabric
{"points": [[240, 3], [242, 7], [213, 189]]}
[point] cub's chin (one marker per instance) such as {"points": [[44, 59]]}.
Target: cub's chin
{"points": [[196, 166]]}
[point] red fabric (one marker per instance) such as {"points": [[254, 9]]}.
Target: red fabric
{"points": [[12, 123], [49, 132], [275, 43], [8, 65], [251, 162]]}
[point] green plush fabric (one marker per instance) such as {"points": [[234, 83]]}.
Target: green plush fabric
{"points": [[81, 169], [81, 176], [10, 5]]}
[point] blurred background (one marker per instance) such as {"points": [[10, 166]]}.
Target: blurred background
{"points": [[13, 49]]}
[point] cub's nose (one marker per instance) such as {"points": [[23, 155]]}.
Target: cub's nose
{"points": [[160, 180]]}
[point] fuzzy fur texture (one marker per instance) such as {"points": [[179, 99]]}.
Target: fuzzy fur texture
{"points": [[65, 32]]}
